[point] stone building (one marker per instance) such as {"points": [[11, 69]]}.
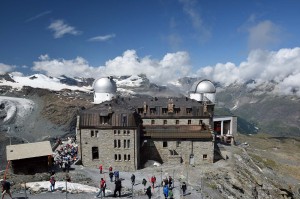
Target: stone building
{"points": [[126, 132]]}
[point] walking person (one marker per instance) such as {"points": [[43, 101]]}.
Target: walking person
{"points": [[144, 182], [52, 183], [166, 191], [102, 188], [133, 179], [5, 188], [100, 168], [111, 175], [153, 180], [183, 187], [118, 187], [148, 192]]}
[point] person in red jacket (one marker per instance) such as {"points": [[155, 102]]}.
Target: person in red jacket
{"points": [[110, 168], [153, 180], [102, 187], [101, 168]]}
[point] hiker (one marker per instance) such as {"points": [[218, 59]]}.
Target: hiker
{"points": [[52, 183], [116, 174], [133, 179], [102, 188], [111, 175], [166, 191], [171, 195], [183, 187], [5, 188], [153, 180], [118, 187], [165, 182], [144, 182], [148, 192], [110, 168], [170, 182], [100, 168]]}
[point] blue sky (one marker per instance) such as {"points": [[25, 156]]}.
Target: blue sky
{"points": [[186, 36]]}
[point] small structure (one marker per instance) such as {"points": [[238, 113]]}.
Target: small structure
{"points": [[29, 158], [225, 128]]}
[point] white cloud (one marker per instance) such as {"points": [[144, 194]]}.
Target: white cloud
{"points": [[38, 16], [263, 34], [102, 37], [4, 68], [281, 66], [189, 7], [60, 28], [170, 67]]}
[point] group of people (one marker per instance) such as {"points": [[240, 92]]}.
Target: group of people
{"points": [[65, 154]]}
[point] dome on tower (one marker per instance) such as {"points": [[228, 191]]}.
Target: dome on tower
{"points": [[104, 85], [203, 86]]}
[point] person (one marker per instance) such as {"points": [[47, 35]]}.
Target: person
{"points": [[116, 174], [183, 187], [110, 168], [52, 183], [102, 187], [148, 192], [100, 168], [133, 179], [5, 188], [165, 182], [118, 187], [111, 175], [153, 180], [170, 182], [171, 195], [144, 182], [166, 191]]}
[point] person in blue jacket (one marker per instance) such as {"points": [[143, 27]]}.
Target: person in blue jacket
{"points": [[166, 191]]}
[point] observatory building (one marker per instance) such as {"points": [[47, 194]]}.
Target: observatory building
{"points": [[127, 132]]}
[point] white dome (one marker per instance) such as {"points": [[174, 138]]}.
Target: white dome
{"points": [[105, 85], [203, 86]]}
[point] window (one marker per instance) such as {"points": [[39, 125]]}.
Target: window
{"points": [[125, 157], [104, 119], [119, 143], [95, 153], [164, 110], [120, 157], [178, 143], [204, 156], [115, 143], [188, 110], [92, 134], [176, 110], [128, 132], [124, 144], [124, 120], [152, 121], [177, 121], [165, 121], [96, 133], [128, 157], [189, 121], [115, 132], [165, 144], [152, 111], [128, 144], [118, 132], [116, 157], [124, 132]]}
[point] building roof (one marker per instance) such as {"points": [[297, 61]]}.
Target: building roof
{"points": [[28, 150], [203, 86], [105, 85]]}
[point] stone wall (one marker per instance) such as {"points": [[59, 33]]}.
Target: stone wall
{"points": [[174, 152], [110, 153]]}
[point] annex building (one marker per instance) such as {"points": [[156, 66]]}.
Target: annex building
{"points": [[126, 132]]}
